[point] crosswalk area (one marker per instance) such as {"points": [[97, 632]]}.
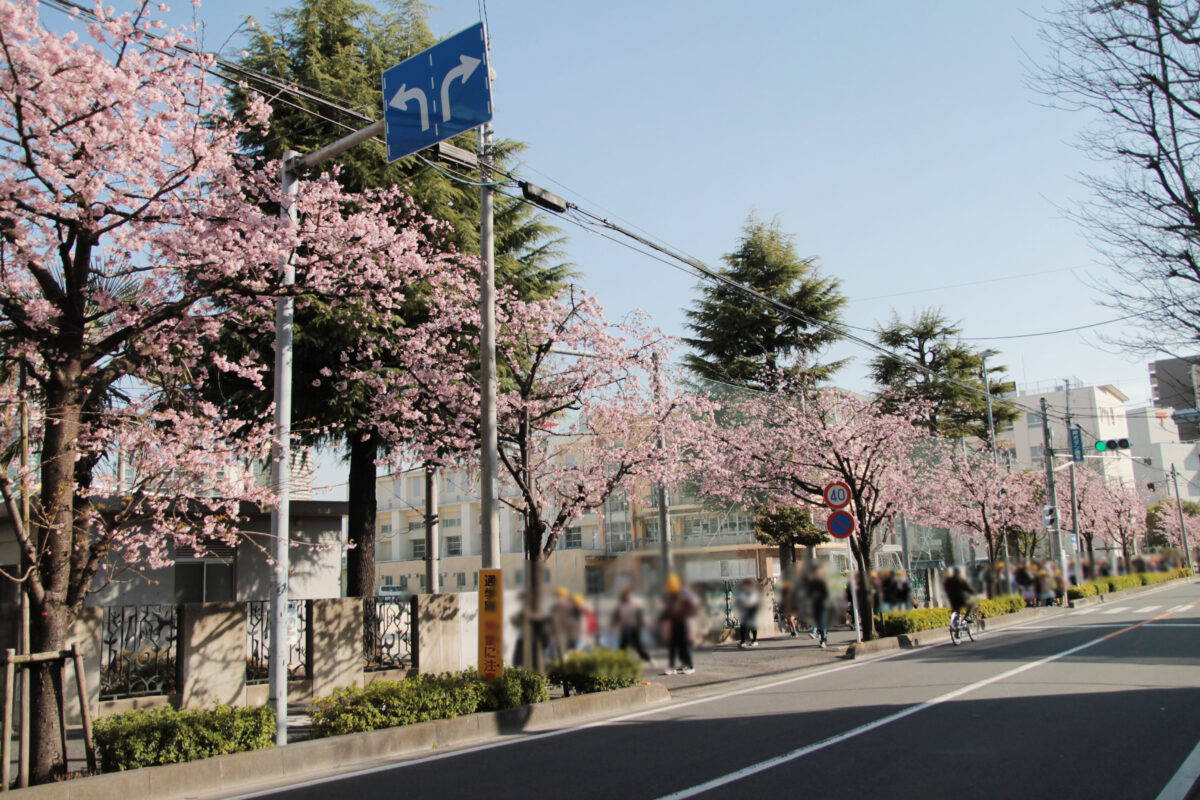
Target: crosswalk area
{"points": [[1105, 609]]}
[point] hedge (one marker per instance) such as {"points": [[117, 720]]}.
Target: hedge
{"points": [[597, 671], [895, 623], [165, 736], [421, 698], [1116, 583]]}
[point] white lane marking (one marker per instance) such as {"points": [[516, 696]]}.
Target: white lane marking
{"points": [[762, 766], [1082, 611], [1146, 610], [1180, 785], [1116, 610], [1173, 609]]}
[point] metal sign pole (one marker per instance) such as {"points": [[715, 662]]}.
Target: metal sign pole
{"points": [[854, 592]]}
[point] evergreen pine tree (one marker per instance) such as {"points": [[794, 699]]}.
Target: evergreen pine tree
{"points": [[738, 340]]}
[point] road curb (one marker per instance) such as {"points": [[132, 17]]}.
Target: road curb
{"points": [[239, 772]]}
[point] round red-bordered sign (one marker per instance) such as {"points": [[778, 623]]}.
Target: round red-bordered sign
{"points": [[837, 494], [840, 524]]}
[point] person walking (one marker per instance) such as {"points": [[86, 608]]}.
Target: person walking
{"points": [[748, 601], [679, 606], [629, 619], [818, 602]]}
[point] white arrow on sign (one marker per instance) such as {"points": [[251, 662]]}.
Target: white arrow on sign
{"points": [[463, 71], [403, 95]]}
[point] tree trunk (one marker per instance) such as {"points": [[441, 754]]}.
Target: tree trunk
{"points": [[50, 619], [534, 564], [787, 561], [866, 608], [360, 559]]}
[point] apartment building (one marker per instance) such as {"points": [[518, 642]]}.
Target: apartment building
{"points": [[1175, 385], [1098, 410], [1156, 445]]}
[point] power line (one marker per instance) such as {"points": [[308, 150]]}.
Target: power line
{"points": [[1048, 333]]}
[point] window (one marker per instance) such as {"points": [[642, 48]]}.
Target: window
{"points": [[616, 503], [383, 550], [404, 582], [385, 529], [573, 540], [416, 486], [419, 525], [418, 550], [452, 522], [421, 579], [1033, 420], [453, 545], [651, 530], [1037, 453], [462, 579], [476, 581], [386, 580], [593, 577]]}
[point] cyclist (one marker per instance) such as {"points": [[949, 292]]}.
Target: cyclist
{"points": [[959, 592]]}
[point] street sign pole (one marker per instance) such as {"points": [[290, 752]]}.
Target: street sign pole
{"points": [[1187, 548], [1052, 492], [488, 467], [1072, 435], [842, 524], [854, 592], [987, 393]]}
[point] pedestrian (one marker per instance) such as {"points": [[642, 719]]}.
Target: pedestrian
{"points": [[1045, 588], [788, 607], [679, 606], [818, 602], [901, 591], [587, 626], [629, 619], [565, 623], [749, 598]]}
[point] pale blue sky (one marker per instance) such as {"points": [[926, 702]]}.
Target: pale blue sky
{"points": [[897, 142]]}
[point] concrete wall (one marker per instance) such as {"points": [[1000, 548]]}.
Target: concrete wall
{"points": [[337, 644], [315, 569], [212, 654], [447, 631]]}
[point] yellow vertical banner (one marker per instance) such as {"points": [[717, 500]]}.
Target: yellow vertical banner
{"points": [[491, 624]]}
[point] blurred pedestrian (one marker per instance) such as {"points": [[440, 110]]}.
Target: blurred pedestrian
{"points": [[588, 627], [630, 619], [565, 623], [818, 602], [679, 606], [749, 598], [788, 607]]}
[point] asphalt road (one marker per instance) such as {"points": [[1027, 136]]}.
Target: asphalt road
{"points": [[1099, 702]]}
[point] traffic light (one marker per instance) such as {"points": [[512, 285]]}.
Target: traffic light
{"points": [[1049, 516], [1112, 444]]}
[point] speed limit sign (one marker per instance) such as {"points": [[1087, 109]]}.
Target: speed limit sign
{"points": [[837, 494]]}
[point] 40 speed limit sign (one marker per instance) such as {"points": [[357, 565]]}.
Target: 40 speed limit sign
{"points": [[837, 495]]}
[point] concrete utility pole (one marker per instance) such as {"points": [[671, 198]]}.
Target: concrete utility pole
{"points": [[1075, 550], [432, 583], [294, 165], [488, 467], [987, 392], [1051, 490], [1187, 548], [664, 529]]}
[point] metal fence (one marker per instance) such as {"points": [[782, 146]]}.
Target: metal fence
{"points": [[387, 633], [258, 640], [138, 651]]}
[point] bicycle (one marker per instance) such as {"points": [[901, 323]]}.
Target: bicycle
{"points": [[970, 624]]}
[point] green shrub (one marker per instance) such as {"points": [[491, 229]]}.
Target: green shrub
{"points": [[895, 623], [166, 736], [597, 671], [999, 606], [385, 704], [515, 687], [1118, 583], [1082, 590]]}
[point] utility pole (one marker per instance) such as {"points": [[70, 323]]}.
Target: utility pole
{"points": [[664, 530], [432, 578], [488, 467], [1187, 548], [1051, 491], [987, 393], [294, 165], [23, 639], [1074, 500]]}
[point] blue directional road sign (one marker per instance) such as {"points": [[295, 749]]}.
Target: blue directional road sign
{"points": [[436, 94], [1076, 444], [840, 524]]}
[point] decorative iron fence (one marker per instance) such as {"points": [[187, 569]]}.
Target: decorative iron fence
{"points": [[258, 640], [138, 651], [387, 633]]}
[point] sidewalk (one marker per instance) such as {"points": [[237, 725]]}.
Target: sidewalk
{"points": [[728, 662]]}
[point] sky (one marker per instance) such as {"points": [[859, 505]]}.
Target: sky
{"points": [[900, 144]]}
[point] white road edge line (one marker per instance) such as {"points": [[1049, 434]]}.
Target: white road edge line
{"points": [[762, 766], [1182, 782]]}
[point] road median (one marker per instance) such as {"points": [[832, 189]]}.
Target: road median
{"points": [[240, 772]]}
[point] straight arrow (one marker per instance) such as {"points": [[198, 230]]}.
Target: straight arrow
{"points": [[466, 66], [403, 95]]}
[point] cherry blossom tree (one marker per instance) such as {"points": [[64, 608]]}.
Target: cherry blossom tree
{"points": [[1162, 524], [965, 490], [784, 448], [129, 230]]}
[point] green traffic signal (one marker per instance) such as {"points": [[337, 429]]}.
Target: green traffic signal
{"points": [[1101, 447]]}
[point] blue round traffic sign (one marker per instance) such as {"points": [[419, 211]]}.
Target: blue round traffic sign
{"points": [[840, 524]]}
